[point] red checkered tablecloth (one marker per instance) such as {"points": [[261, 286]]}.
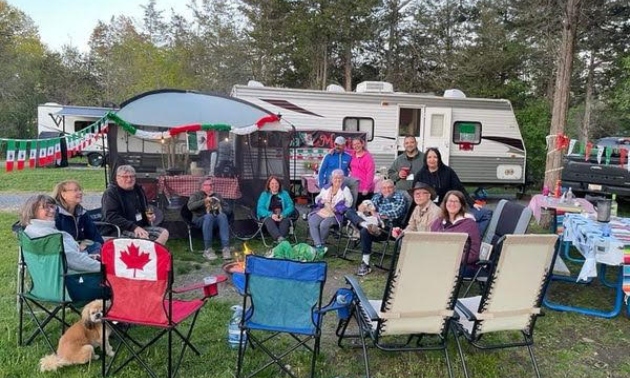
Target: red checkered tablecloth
{"points": [[186, 185]]}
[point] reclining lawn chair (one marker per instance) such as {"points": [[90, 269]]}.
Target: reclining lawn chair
{"points": [[508, 218], [140, 275], [282, 298], [419, 298], [511, 301], [44, 273]]}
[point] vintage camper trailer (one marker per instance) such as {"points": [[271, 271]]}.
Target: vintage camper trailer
{"points": [[479, 138], [54, 120]]}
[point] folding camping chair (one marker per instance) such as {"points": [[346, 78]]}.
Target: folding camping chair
{"points": [[509, 218], [418, 301], [187, 217], [44, 273], [106, 229], [511, 300], [282, 298], [140, 275], [260, 228]]}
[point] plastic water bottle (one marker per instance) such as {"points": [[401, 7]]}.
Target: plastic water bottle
{"points": [[234, 331]]}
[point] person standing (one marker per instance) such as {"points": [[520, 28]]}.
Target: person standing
{"points": [[362, 168], [125, 205], [275, 208], [444, 179], [210, 211], [338, 158], [406, 164]]}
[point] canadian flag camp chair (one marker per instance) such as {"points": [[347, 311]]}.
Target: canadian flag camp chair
{"points": [[512, 296], [140, 275], [417, 307]]}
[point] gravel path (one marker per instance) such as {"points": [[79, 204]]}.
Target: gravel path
{"points": [[11, 202]]}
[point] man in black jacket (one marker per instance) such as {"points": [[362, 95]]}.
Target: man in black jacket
{"points": [[125, 205]]}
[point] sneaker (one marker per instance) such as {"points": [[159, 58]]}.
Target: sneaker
{"points": [[364, 270], [226, 253], [280, 239], [373, 229], [209, 254]]}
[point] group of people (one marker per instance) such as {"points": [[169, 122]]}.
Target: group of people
{"points": [[439, 200]]}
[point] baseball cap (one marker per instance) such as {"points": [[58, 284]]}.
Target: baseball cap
{"points": [[340, 140]]}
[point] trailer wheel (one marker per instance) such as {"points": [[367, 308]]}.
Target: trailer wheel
{"points": [[95, 159]]}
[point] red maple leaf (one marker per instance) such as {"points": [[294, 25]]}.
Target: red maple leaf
{"points": [[134, 259]]}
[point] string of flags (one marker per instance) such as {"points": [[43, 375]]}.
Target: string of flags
{"points": [[588, 150], [44, 152]]}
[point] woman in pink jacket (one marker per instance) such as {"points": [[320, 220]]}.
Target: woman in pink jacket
{"points": [[362, 168]]}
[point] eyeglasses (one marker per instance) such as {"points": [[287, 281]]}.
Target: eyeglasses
{"points": [[127, 177], [422, 192], [453, 201], [73, 190], [49, 207]]}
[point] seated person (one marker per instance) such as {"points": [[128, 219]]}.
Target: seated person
{"points": [[330, 205], [125, 205], [443, 179], [455, 219], [210, 211], [425, 212], [38, 217], [72, 218], [388, 203], [275, 208]]}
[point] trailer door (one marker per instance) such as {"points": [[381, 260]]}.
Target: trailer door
{"points": [[436, 131]]}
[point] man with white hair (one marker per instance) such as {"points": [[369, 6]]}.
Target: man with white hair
{"points": [[125, 205], [338, 158]]}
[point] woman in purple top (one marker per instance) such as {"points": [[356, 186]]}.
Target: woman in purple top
{"points": [[455, 219], [362, 168]]}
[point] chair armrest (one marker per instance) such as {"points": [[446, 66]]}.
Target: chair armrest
{"points": [[483, 262], [362, 298], [465, 311], [101, 224], [209, 290]]}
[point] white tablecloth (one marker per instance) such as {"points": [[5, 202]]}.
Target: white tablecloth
{"points": [[585, 233]]}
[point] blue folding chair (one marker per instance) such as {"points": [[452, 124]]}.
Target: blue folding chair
{"points": [[283, 300]]}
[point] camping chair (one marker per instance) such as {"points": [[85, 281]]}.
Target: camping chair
{"points": [[187, 217], [260, 228], [106, 229], [140, 275], [509, 218], [282, 298], [418, 301], [44, 274], [511, 300], [380, 246]]}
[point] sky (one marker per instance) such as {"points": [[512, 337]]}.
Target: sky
{"points": [[70, 22]]}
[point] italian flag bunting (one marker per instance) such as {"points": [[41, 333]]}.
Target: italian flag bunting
{"points": [[32, 157], [10, 155], [58, 150], [21, 157], [50, 151]]}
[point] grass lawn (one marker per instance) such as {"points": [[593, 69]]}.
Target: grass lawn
{"points": [[567, 345]]}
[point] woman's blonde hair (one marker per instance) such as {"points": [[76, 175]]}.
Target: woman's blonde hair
{"points": [[29, 208], [60, 188]]}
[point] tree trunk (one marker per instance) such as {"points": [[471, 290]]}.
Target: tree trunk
{"points": [[561, 94], [348, 68], [588, 102]]}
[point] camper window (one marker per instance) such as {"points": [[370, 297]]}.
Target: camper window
{"points": [[466, 132], [358, 124]]}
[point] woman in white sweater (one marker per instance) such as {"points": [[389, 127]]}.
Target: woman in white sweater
{"points": [[38, 218]]}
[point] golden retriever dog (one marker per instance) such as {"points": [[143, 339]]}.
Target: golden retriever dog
{"points": [[76, 346]]}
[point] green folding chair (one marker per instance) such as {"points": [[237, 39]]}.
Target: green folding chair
{"points": [[42, 287]]}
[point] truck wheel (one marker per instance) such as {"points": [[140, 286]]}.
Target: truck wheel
{"points": [[95, 160]]}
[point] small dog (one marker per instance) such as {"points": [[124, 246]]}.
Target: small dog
{"points": [[213, 206], [76, 345]]}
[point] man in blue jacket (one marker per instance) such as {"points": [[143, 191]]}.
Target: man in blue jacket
{"points": [[337, 159]]}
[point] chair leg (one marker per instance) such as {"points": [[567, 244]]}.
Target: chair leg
{"points": [[190, 244], [532, 357], [459, 348]]}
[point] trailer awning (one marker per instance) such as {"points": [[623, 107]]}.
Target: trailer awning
{"points": [[82, 111]]}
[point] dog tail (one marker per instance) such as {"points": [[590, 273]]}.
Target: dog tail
{"points": [[51, 362]]}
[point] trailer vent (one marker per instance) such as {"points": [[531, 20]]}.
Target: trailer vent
{"points": [[334, 88], [375, 87], [454, 93]]}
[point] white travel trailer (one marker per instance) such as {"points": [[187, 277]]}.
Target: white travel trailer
{"points": [[54, 119], [479, 138]]}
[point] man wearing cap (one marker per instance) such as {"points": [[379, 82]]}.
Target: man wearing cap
{"points": [[426, 210], [388, 203], [338, 158], [406, 164]]}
